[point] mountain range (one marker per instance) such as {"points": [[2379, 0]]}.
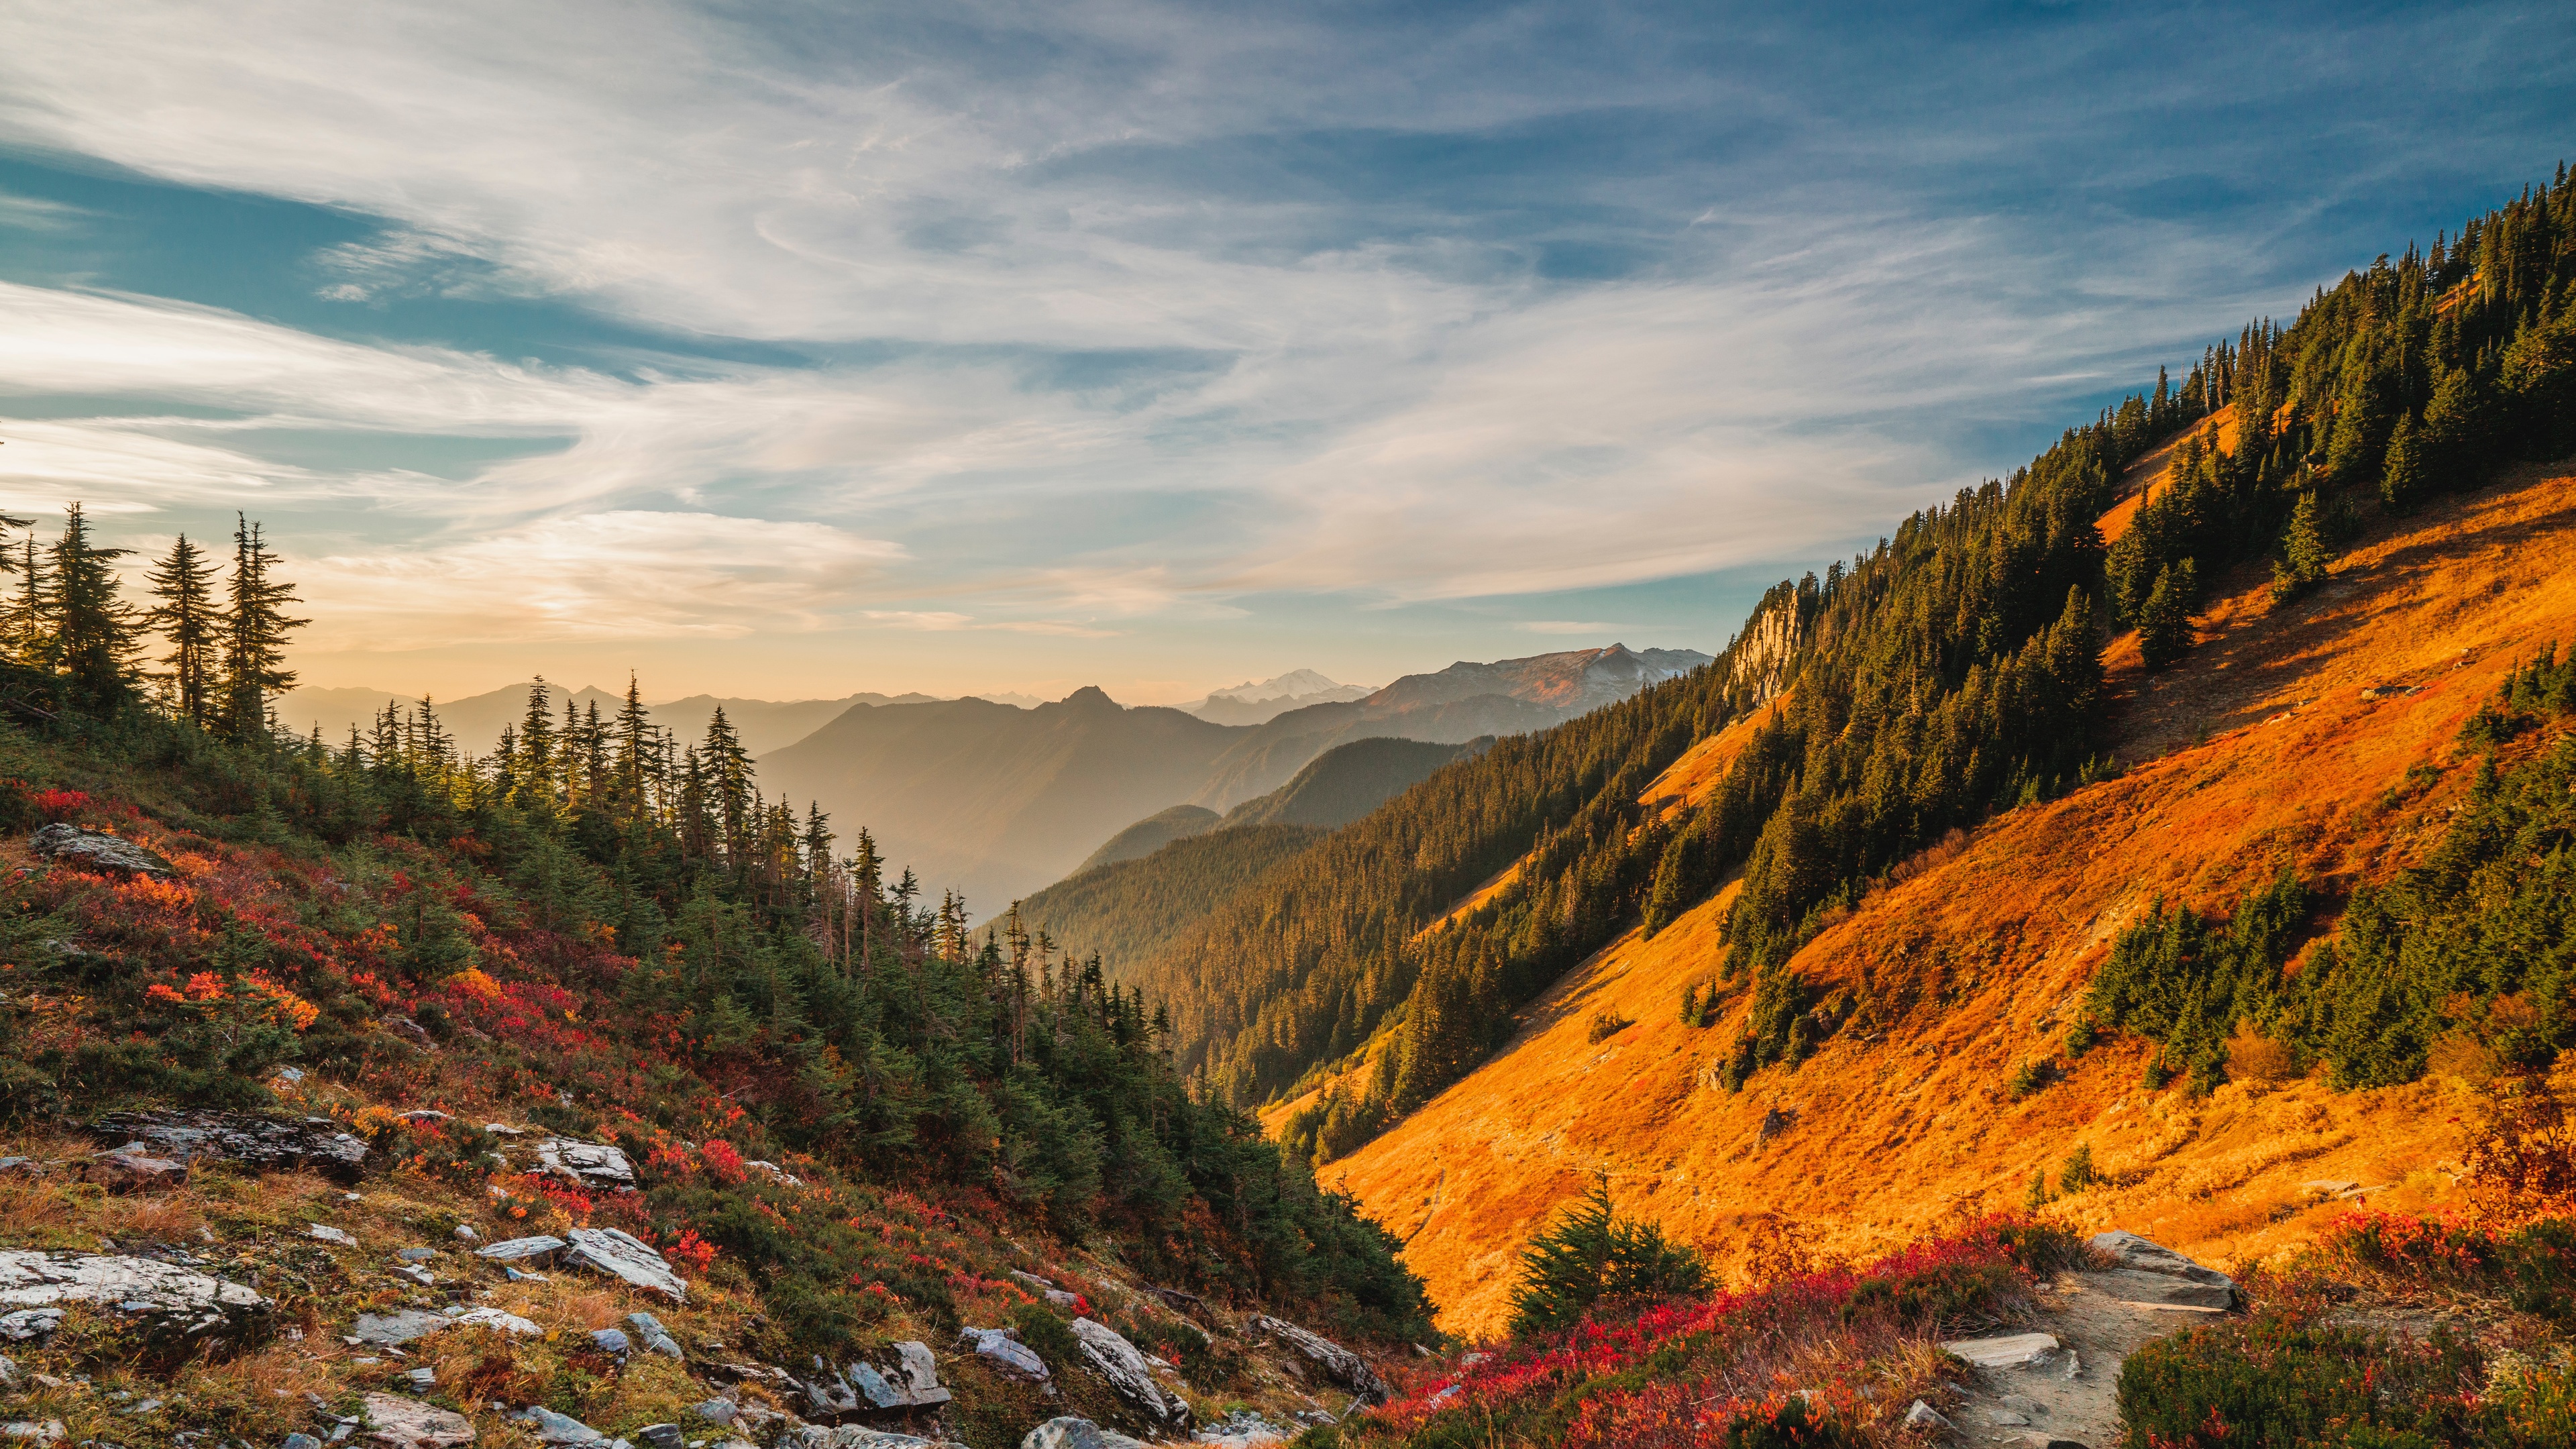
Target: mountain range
{"points": [[476, 721], [1261, 701], [999, 802]]}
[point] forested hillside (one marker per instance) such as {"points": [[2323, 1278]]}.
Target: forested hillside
{"points": [[613, 933], [1954, 670]]}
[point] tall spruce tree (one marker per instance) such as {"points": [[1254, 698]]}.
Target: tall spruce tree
{"points": [[2401, 473], [93, 627], [2164, 624], [2305, 551], [184, 611], [255, 635]]}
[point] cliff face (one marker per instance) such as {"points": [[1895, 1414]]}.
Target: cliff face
{"points": [[2321, 736]]}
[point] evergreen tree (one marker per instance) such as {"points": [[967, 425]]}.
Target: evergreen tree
{"points": [[31, 639], [2304, 550], [728, 769], [183, 590], [255, 639], [2164, 623], [93, 627], [637, 750], [2401, 476]]}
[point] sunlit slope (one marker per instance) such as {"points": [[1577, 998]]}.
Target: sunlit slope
{"points": [[2262, 750]]}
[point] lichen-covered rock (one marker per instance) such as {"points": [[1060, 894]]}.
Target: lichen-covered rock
{"points": [[539, 1249], [1338, 1363], [1075, 1434], [410, 1424], [95, 850], [864, 1388], [654, 1338], [854, 1436], [1001, 1349], [621, 1254], [132, 1168], [164, 1301], [393, 1330], [1124, 1369], [553, 1428], [589, 1164], [271, 1144]]}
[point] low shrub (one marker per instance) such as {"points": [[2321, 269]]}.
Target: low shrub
{"points": [[1592, 1254], [1945, 1295], [1605, 1025]]}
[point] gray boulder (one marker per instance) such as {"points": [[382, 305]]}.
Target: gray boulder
{"points": [[662, 1436], [1124, 1369], [133, 1168], [2137, 1255], [537, 1250], [611, 1340], [860, 1388], [1338, 1363], [621, 1254], [650, 1333], [854, 1436], [589, 1164], [270, 1144], [95, 850], [1001, 1349], [393, 1330], [411, 1424], [1076, 1434], [553, 1428], [164, 1301]]}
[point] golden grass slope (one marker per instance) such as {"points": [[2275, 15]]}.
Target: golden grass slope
{"points": [[2274, 744]]}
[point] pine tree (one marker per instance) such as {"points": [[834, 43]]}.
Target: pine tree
{"points": [[255, 637], [2164, 622], [183, 588], [31, 638], [2304, 550], [537, 748], [93, 627], [636, 750], [728, 768], [2401, 475]]}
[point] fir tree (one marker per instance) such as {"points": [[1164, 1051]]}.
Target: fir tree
{"points": [[2401, 475], [31, 640], [2164, 622], [93, 628], [537, 746], [255, 636], [183, 590], [2304, 550]]}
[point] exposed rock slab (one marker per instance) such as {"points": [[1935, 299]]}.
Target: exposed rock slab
{"points": [[620, 1254], [539, 1249], [166, 1301], [2138, 1255], [1076, 1434], [912, 1382], [1338, 1363], [854, 1436], [590, 1164], [271, 1144], [96, 850], [2012, 1350], [2155, 1290], [410, 1424], [1001, 1348], [132, 1168], [1124, 1369]]}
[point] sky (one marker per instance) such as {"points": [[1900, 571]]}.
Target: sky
{"points": [[792, 350]]}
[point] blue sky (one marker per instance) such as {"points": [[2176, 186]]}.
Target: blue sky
{"points": [[791, 350]]}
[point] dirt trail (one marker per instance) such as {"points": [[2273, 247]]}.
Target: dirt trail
{"points": [[2070, 1395]]}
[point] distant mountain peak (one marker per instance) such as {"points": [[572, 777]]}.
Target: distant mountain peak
{"points": [[1092, 696], [1295, 684]]}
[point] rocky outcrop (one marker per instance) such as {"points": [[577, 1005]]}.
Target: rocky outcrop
{"points": [[622, 1255], [166, 1302], [1075, 1434], [527, 1252], [96, 850], [1123, 1368], [1001, 1349], [2151, 1273], [132, 1168], [862, 1388], [270, 1144], [410, 1424], [592, 1165], [854, 1436], [1338, 1363], [393, 1330], [652, 1337]]}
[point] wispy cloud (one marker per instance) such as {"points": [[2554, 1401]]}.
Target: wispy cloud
{"points": [[1099, 320]]}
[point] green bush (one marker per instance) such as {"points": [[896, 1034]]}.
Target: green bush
{"points": [[2282, 1380], [1592, 1254], [2540, 1270], [1940, 1296], [1047, 1335], [2077, 1173]]}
